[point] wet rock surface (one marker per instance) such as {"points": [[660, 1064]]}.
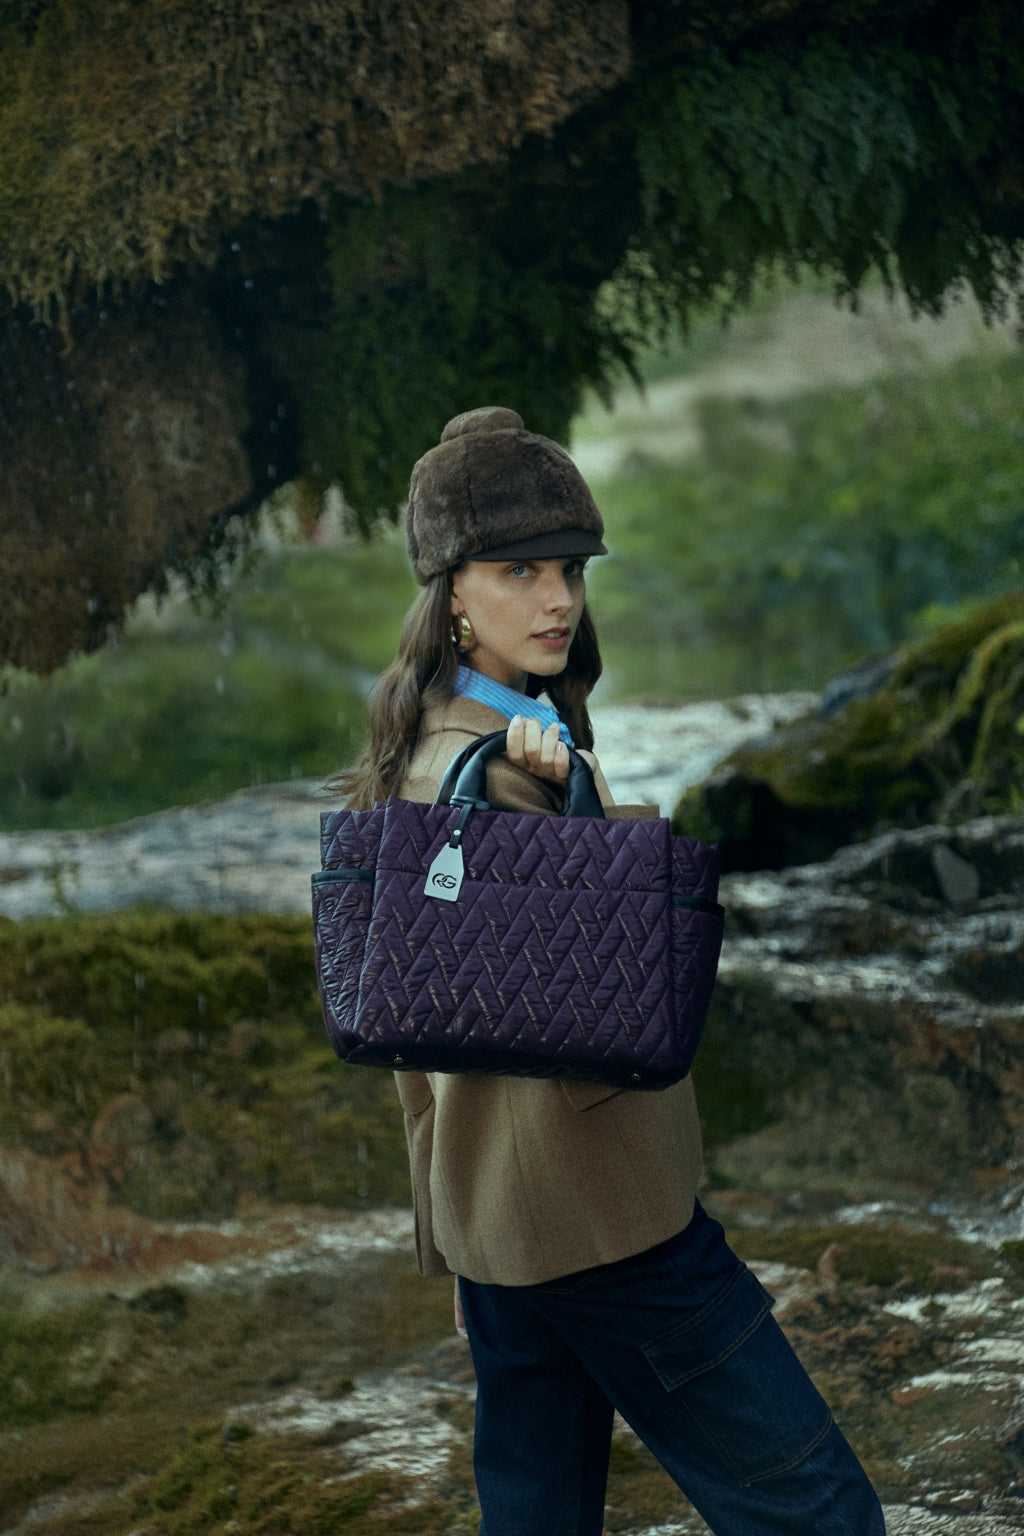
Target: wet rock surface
{"points": [[869, 1021]]}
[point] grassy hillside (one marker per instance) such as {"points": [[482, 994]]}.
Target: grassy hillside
{"points": [[182, 1062]]}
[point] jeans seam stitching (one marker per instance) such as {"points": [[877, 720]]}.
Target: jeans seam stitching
{"points": [[716, 1302], [794, 1461], [709, 1365]]}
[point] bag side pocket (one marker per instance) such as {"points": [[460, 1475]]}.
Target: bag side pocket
{"points": [[697, 928], [341, 920]]}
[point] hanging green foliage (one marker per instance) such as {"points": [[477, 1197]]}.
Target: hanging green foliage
{"points": [[435, 309], [838, 153], [845, 153]]}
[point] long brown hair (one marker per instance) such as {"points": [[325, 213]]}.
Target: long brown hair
{"points": [[423, 674]]}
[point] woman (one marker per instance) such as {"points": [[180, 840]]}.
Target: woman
{"points": [[587, 1273]]}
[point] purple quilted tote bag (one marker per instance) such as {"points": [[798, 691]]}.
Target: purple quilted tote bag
{"points": [[455, 938]]}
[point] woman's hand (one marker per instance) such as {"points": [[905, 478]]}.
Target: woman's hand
{"points": [[544, 754], [539, 752], [460, 1320]]}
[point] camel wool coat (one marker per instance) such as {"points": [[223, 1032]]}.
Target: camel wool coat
{"points": [[519, 1180]]}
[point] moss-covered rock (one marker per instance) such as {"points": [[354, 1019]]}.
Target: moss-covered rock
{"points": [[178, 164], [933, 733], [122, 445], [895, 1260], [133, 137], [270, 1487]]}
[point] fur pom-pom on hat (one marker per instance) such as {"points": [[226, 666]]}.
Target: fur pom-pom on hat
{"points": [[491, 490]]}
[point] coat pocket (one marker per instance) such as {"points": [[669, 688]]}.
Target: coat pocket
{"points": [[414, 1091], [582, 1095]]}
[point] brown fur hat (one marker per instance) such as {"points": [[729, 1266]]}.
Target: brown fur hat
{"points": [[492, 490]]}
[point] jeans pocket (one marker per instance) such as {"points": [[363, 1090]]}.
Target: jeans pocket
{"points": [[739, 1378]]}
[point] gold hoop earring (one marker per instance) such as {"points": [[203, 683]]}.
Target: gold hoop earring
{"points": [[462, 632]]}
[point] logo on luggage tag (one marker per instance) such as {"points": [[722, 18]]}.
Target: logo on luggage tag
{"points": [[444, 877]]}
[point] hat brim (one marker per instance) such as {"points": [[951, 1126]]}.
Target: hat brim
{"points": [[546, 546]]}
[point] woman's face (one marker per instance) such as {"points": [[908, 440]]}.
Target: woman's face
{"points": [[524, 615]]}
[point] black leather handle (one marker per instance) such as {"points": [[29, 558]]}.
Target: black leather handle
{"points": [[465, 780]]}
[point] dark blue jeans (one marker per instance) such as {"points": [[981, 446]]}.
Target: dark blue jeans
{"points": [[681, 1341]]}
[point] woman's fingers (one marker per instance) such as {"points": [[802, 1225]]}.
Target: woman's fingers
{"points": [[540, 752]]}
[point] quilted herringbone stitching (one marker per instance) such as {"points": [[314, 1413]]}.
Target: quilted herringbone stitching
{"points": [[619, 853], [579, 980], [578, 855], [489, 929], [696, 943], [350, 839], [547, 851]]}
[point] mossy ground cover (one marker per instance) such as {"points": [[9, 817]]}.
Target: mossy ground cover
{"points": [[117, 1403], [128, 1395], [894, 1260], [169, 1444], [182, 1061], [224, 1479]]}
